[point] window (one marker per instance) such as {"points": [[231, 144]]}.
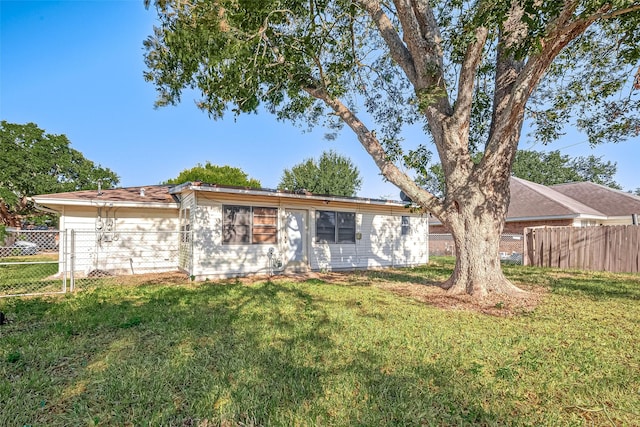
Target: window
{"points": [[325, 227], [335, 227], [405, 226], [245, 225], [185, 225], [265, 225]]}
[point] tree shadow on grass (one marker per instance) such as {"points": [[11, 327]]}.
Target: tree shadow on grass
{"points": [[430, 394], [269, 353], [219, 352], [597, 287]]}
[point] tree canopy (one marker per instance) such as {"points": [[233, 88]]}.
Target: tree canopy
{"points": [[34, 162], [214, 174], [470, 73], [331, 174]]}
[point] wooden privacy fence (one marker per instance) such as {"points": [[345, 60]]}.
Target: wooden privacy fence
{"points": [[613, 248]]}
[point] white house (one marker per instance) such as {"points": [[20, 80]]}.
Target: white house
{"points": [[212, 231]]}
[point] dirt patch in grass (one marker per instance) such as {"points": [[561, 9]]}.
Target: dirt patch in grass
{"points": [[494, 305], [167, 278], [428, 291]]}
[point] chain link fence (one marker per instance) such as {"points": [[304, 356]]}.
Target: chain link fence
{"points": [[511, 247], [125, 256], [46, 262], [34, 262], [30, 262]]}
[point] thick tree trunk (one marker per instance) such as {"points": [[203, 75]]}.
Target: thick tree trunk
{"points": [[6, 217], [476, 227]]}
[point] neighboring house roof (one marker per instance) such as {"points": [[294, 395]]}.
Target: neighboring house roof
{"points": [[535, 201], [607, 200], [166, 196]]}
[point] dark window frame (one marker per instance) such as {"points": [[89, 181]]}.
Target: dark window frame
{"points": [[405, 225], [335, 227], [185, 225], [253, 232]]}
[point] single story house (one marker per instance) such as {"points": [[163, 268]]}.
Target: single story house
{"points": [[212, 231], [576, 204]]}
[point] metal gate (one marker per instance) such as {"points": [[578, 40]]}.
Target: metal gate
{"points": [[31, 262]]}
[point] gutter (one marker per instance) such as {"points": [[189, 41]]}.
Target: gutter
{"points": [[545, 218], [44, 208], [284, 195], [101, 203]]}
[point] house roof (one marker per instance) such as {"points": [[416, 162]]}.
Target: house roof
{"points": [[607, 200], [147, 196], [300, 195], [167, 196], [535, 201]]}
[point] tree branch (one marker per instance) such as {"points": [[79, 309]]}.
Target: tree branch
{"points": [[473, 56], [397, 49], [421, 34], [618, 12], [561, 32], [371, 144], [419, 52]]}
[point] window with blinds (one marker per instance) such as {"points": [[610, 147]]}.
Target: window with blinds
{"points": [[245, 225], [335, 227]]}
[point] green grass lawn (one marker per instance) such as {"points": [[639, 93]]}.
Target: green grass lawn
{"points": [[29, 274], [315, 352]]}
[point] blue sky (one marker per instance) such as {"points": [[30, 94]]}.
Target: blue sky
{"points": [[75, 68]]}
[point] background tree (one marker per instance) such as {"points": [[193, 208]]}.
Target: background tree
{"points": [[470, 72], [554, 168], [34, 162], [546, 168], [214, 174], [331, 174], [594, 169]]}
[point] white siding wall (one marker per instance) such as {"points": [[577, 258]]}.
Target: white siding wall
{"points": [[126, 219], [381, 244], [122, 240], [617, 220], [185, 220], [213, 259], [413, 248]]}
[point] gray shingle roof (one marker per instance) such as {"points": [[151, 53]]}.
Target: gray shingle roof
{"points": [[152, 194], [531, 200], [604, 199]]}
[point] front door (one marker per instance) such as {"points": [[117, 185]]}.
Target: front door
{"points": [[295, 240]]}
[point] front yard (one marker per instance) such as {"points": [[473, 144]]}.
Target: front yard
{"points": [[377, 348]]}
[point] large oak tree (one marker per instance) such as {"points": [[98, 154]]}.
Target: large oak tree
{"points": [[471, 72]]}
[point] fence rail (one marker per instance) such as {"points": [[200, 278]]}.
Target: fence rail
{"points": [[511, 247], [30, 264], [51, 261], [603, 248]]}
